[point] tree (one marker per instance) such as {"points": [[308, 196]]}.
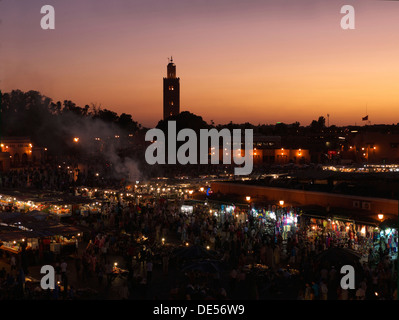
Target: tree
{"points": [[281, 129], [107, 115], [125, 122], [51, 124], [184, 120], [321, 122], [318, 126]]}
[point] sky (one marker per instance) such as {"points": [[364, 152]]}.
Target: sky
{"points": [[256, 61]]}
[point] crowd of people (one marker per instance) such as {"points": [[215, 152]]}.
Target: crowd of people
{"points": [[40, 178], [59, 177], [131, 253]]}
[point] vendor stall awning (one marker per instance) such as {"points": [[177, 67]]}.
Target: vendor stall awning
{"points": [[17, 226]]}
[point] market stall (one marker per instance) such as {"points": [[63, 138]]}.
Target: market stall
{"points": [[6, 203], [90, 208], [37, 231], [276, 221], [228, 212], [385, 238], [286, 223], [341, 233]]}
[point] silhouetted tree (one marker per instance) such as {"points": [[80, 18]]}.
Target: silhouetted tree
{"points": [[51, 124], [317, 126], [184, 120]]}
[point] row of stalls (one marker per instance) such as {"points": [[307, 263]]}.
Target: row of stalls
{"points": [[37, 234], [273, 220], [365, 237], [60, 205], [34, 224], [171, 190], [368, 238]]}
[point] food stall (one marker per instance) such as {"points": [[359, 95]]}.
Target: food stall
{"points": [[6, 203], [36, 231], [90, 208]]}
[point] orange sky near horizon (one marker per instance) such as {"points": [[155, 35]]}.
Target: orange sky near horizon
{"points": [[242, 61]]}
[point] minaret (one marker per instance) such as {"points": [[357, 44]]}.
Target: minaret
{"points": [[171, 92]]}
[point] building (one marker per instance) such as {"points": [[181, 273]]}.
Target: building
{"points": [[297, 156], [171, 92], [268, 150], [5, 161], [373, 147], [21, 152]]}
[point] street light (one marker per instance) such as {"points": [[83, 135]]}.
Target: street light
{"points": [[380, 216], [281, 202], [248, 198]]}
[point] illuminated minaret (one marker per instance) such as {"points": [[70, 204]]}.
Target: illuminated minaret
{"points": [[171, 92]]}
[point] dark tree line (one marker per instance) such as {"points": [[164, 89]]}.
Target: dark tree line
{"points": [[52, 123]]}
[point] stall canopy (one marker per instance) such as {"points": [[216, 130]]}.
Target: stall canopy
{"points": [[389, 223], [17, 226], [339, 256], [206, 266]]}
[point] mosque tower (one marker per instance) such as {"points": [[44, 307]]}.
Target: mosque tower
{"points": [[171, 92]]}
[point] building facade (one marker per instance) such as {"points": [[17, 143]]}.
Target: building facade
{"points": [[372, 147], [20, 152]]}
